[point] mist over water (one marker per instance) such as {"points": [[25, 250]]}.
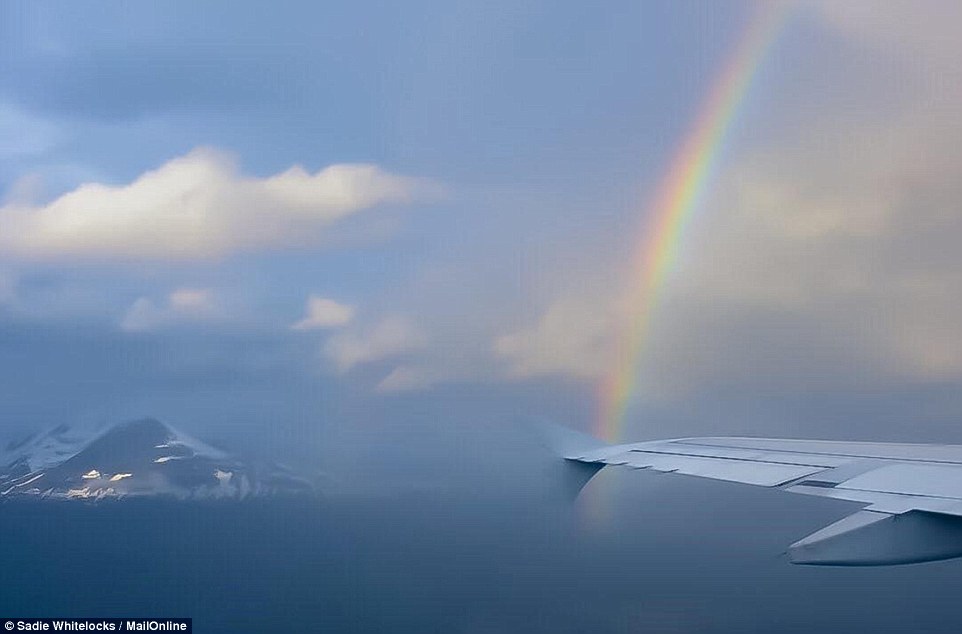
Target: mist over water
{"points": [[668, 555]]}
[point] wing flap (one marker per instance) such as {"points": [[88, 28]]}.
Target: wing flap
{"points": [[757, 473], [904, 452], [938, 481], [687, 448]]}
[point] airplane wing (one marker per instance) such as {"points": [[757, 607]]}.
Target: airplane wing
{"points": [[912, 493]]}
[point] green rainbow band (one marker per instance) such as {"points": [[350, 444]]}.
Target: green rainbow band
{"points": [[674, 205]]}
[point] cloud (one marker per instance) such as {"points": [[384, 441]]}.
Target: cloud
{"points": [[927, 31], [199, 207], [391, 337], [855, 236], [184, 305], [572, 337], [408, 378], [324, 313], [830, 264]]}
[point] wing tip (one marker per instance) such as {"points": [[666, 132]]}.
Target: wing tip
{"points": [[572, 445]]}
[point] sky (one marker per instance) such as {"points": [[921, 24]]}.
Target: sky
{"points": [[358, 230]]}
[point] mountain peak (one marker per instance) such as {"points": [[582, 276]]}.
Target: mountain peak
{"points": [[143, 424], [142, 431]]}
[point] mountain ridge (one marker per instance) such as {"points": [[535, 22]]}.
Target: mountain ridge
{"points": [[135, 459]]}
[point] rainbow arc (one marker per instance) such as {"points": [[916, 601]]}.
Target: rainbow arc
{"points": [[676, 200]]}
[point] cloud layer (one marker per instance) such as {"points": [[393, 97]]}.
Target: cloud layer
{"points": [[197, 207], [825, 259]]}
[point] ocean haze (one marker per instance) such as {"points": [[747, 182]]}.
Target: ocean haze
{"points": [[674, 556], [468, 531]]}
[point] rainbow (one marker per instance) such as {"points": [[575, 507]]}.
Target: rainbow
{"points": [[674, 205]]}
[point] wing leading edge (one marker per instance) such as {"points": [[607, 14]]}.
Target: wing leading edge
{"points": [[912, 493]]}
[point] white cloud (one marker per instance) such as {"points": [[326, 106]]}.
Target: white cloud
{"points": [[321, 313], [572, 337], [196, 207], [856, 236], [391, 337], [184, 305]]}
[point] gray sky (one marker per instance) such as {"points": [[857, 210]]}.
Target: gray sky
{"points": [[307, 226]]}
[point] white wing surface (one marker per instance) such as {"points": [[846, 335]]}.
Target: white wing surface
{"points": [[912, 493]]}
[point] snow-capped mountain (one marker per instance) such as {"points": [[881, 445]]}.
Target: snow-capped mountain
{"points": [[134, 459]]}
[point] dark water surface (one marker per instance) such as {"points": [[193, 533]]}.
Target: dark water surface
{"points": [[433, 563]]}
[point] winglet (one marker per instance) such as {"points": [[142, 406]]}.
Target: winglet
{"points": [[568, 443], [571, 445]]}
